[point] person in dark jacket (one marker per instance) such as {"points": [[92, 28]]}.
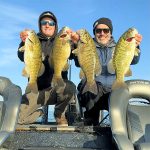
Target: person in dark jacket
{"points": [[29, 112], [105, 44]]}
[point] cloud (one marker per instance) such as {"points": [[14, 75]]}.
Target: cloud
{"points": [[17, 13], [8, 57], [15, 18]]}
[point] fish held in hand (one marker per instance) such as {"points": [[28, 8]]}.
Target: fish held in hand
{"points": [[33, 60], [123, 55], [88, 60], [59, 55]]}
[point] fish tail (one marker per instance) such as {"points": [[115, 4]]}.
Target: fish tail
{"points": [[32, 87], [61, 83], [118, 84], [91, 88], [58, 82]]}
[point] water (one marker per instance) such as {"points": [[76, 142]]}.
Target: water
{"points": [[51, 117], [1, 98], [133, 101]]}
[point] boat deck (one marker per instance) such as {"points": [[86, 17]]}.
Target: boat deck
{"points": [[44, 137]]}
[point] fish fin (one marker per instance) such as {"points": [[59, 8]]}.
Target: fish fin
{"points": [[98, 67], [136, 52], [43, 56], [91, 88], [24, 72], [118, 84], [22, 49], [59, 84], [75, 51], [32, 87], [66, 67], [81, 75], [110, 67], [42, 69], [128, 73]]}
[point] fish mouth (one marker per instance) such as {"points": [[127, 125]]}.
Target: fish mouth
{"points": [[130, 39], [63, 35]]}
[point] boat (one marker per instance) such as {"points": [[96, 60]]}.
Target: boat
{"points": [[128, 127]]}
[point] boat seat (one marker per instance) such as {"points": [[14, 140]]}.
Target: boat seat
{"points": [[130, 124], [138, 123], [9, 108]]}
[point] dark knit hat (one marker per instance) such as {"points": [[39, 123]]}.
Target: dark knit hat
{"points": [[105, 21]]}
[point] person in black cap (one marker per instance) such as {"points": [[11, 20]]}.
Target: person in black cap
{"points": [[105, 44], [29, 112]]}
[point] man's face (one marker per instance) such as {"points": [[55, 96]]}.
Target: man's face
{"points": [[102, 34], [48, 26]]}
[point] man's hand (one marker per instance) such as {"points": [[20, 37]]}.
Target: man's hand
{"points": [[138, 39], [24, 34], [75, 37]]}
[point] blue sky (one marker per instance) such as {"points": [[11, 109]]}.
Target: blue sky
{"points": [[17, 15]]}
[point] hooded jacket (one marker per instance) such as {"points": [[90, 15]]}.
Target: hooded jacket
{"points": [[44, 81], [105, 54]]}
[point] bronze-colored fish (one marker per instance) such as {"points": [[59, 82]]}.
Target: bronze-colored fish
{"points": [[33, 60], [123, 55], [59, 55], [88, 60]]}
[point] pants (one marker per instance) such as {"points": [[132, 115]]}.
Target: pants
{"points": [[31, 102], [94, 103]]}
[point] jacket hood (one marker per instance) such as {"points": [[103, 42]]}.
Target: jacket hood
{"points": [[50, 15]]}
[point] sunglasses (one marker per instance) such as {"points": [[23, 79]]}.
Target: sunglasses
{"points": [[50, 23], [106, 31]]}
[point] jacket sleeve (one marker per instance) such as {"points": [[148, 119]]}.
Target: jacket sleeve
{"points": [[136, 58], [20, 53]]}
